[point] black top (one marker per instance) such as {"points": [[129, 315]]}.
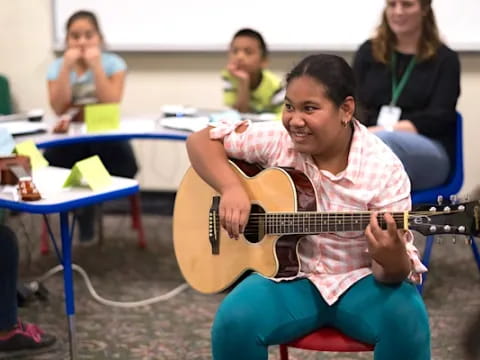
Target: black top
{"points": [[428, 99]]}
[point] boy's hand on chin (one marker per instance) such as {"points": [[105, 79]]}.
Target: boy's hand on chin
{"points": [[241, 75]]}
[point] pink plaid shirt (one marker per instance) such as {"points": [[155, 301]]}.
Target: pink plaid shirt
{"points": [[374, 179]]}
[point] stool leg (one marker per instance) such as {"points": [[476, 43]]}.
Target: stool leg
{"points": [[99, 212], [44, 246], [283, 352], [135, 211], [426, 260], [474, 247]]}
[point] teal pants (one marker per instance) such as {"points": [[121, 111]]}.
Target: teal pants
{"points": [[259, 313]]}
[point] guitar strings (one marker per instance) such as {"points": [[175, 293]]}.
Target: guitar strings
{"points": [[294, 220], [253, 232], [331, 219]]}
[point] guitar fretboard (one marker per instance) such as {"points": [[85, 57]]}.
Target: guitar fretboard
{"points": [[314, 223]]}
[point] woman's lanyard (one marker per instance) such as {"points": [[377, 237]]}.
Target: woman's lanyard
{"points": [[397, 88]]}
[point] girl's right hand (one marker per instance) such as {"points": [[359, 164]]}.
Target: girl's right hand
{"points": [[71, 56], [234, 210]]}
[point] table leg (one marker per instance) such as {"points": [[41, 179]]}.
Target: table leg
{"points": [[68, 283]]}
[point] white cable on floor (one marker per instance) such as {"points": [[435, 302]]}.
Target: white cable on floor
{"points": [[126, 304]]}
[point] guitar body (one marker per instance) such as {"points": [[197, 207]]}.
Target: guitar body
{"points": [[270, 190]]}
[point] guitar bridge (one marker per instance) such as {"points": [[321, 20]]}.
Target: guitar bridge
{"points": [[214, 226]]}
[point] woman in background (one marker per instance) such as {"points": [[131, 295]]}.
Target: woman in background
{"points": [[408, 84], [84, 75]]}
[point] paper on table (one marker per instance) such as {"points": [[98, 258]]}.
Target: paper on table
{"points": [[7, 144], [260, 117], [28, 148], [102, 117], [178, 110], [92, 171], [9, 192], [186, 122], [23, 127]]}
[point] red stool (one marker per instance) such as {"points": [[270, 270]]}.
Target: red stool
{"points": [[325, 339], [135, 213]]}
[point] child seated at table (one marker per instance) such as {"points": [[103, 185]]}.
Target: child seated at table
{"points": [[248, 86], [86, 74]]}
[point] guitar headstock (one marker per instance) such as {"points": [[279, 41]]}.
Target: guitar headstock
{"points": [[458, 219], [27, 190]]}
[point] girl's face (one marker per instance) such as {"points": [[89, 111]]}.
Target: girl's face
{"points": [[313, 121], [82, 34], [404, 16], [245, 52]]}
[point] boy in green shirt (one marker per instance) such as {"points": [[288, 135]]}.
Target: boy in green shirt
{"points": [[248, 86]]}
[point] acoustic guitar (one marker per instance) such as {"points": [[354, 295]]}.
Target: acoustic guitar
{"points": [[283, 211]]}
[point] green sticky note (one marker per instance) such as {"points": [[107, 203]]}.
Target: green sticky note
{"points": [[28, 148], [102, 117], [90, 171]]}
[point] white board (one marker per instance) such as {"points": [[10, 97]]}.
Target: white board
{"points": [[301, 25]]}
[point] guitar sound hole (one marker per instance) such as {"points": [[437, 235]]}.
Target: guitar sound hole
{"points": [[255, 229]]}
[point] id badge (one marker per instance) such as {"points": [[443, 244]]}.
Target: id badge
{"points": [[389, 116]]}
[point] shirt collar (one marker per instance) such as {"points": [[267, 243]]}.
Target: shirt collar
{"points": [[352, 170]]}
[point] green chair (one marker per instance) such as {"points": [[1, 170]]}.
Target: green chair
{"points": [[5, 101], [5, 109]]}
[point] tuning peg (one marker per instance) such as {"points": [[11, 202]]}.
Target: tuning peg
{"points": [[446, 209], [432, 209], [439, 199], [453, 199]]}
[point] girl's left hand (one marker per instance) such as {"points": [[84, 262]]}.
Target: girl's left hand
{"points": [[387, 247], [92, 56]]}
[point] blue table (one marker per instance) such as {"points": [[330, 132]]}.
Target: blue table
{"points": [[130, 128], [147, 127], [56, 199]]}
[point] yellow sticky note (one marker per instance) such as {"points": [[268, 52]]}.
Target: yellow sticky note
{"points": [[102, 117], [91, 171], [28, 148]]}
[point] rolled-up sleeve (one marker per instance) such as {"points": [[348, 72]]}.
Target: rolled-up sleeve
{"points": [[260, 143]]}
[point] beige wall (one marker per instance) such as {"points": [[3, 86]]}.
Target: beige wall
{"points": [[159, 78]]}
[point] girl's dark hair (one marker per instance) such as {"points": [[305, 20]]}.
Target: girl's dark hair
{"points": [[254, 34], [332, 71], [84, 14]]}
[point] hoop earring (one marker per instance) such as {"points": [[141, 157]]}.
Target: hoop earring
{"points": [[344, 123]]}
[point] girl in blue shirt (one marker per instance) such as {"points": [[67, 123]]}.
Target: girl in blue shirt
{"points": [[85, 75]]}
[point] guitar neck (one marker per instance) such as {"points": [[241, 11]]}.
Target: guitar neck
{"points": [[317, 222]]}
